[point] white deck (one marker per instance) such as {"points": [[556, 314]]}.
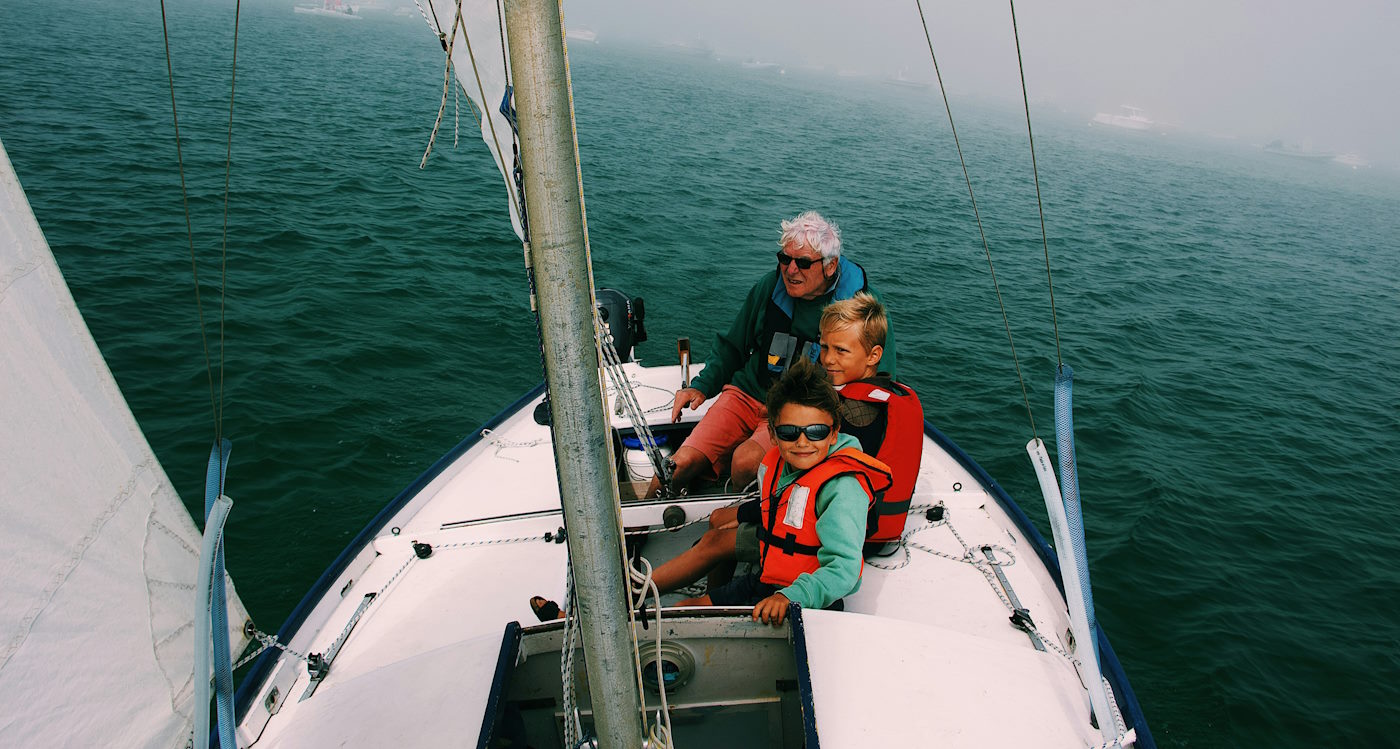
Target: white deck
{"points": [[924, 655]]}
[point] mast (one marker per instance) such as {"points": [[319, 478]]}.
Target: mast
{"points": [[564, 286]]}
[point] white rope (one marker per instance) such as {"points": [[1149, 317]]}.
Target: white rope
{"points": [[268, 641], [446, 82], [271, 641], [432, 25], [504, 444], [573, 728], [642, 584]]}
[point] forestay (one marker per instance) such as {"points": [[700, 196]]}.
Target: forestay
{"points": [[100, 556]]}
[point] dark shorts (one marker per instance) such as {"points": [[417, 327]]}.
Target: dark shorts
{"points": [[746, 543], [744, 590], [748, 590]]}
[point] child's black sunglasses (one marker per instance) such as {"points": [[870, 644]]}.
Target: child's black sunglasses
{"points": [[814, 432]]}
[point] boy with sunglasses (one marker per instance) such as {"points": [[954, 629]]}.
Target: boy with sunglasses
{"points": [[776, 325], [816, 489]]}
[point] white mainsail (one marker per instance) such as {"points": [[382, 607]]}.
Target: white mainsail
{"points": [[100, 557]]}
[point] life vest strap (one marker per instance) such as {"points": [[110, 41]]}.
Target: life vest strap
{"points": [[786, 543], [894, 508]]}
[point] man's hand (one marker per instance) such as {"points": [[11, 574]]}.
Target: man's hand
{"points": [[687, 397], [771, 610]]}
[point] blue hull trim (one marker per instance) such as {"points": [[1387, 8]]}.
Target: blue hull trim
{"points": [[798, 635], [262, 667], [1108, 659]]}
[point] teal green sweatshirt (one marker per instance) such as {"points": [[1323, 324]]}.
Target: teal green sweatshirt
{"points": [[841, 512], [737, 359]]}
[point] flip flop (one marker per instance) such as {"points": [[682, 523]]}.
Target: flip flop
{"points": [[545, 609]]}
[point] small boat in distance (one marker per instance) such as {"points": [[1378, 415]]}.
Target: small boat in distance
{"points": [[1352, 159], [1134, 119], [1295, 151], [330, 8], [753, 64], [901, 79], [582, 35]]}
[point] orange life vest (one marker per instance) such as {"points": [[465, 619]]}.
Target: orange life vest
{"points": [[901, 450], [787, 529]]}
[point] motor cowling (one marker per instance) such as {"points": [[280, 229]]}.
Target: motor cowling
{"points": [[625, 318]]}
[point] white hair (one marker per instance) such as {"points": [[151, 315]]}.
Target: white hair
{"points": [[811, 229]]}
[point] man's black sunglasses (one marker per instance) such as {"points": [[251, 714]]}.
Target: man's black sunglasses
{"points": [[802, 262], [814, 432]]}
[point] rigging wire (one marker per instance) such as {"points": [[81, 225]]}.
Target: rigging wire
{"points": [[189, 227], [223, 243], [1035, 172], [1006, 322]]}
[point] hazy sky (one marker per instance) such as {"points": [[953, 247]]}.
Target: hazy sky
{"points": [[1320, 76]]}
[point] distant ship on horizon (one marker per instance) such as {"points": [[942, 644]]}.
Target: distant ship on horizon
{"points": [[1352, 159], [1133, 120], [902, 79], [330, 8], [1279, 148], [582, 35]]}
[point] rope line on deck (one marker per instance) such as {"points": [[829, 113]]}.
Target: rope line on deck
{"points": [[504, 444]]}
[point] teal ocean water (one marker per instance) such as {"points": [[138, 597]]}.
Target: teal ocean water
{"points": [[1231, 316]]}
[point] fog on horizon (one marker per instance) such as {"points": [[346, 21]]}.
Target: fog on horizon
{"points": [[1316, 78]]}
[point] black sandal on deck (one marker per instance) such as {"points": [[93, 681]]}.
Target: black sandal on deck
{"points": [[545, 609]]}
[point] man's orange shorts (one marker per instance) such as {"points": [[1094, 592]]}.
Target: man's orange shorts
{"points": [[732, 419]]}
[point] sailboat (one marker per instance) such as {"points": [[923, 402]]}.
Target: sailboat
{"points": [[1132, 118], [334, 8], [961, 636]]}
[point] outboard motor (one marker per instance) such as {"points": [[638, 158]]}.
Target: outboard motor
{"points": [[624, 316]]}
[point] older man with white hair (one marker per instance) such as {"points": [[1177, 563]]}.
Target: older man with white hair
{"points": [[777, 324]]}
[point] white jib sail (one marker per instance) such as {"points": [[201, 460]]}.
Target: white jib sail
{"points": [[479, 59], [98, 556]]}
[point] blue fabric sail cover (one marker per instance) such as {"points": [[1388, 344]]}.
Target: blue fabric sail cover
{"points": [[223, 671], [1069, 482]]}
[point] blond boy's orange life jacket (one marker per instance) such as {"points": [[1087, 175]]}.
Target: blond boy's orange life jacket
{"points": [[902, 450], [787, 530]]}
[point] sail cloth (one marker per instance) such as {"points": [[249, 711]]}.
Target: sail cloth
{"points": [[479, 53], [98, 556]]}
